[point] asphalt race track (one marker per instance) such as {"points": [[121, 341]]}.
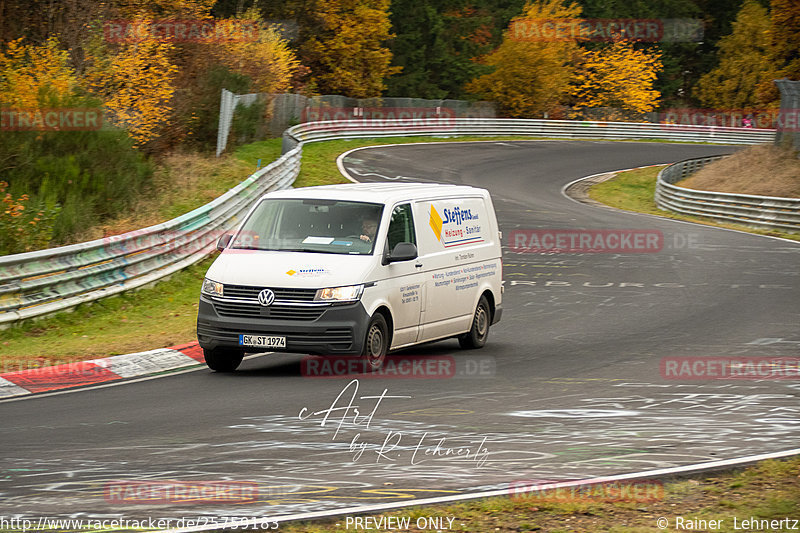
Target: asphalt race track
{"points": [[571, 384]]}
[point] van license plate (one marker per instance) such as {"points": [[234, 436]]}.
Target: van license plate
{"points": [[262, 341]]}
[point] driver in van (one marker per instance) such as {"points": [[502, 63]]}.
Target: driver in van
{"points": [[369, 227]]}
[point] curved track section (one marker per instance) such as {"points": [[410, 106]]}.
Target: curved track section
{"points": [[570, 385]]}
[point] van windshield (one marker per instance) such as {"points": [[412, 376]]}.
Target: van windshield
{"points": [[306, 225]]}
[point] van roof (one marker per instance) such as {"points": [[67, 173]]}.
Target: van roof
{"points": [[379, 192]]}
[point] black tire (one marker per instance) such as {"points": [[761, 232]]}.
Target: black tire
{"points": [[376, 343], [479, 331], [223, 360]]}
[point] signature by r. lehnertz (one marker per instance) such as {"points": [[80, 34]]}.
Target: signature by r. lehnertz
{"points": [[347, 413]]}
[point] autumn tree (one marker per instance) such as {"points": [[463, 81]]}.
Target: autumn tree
{"points": [[342, 42], [266, 59], [36, 21], [34, 76], [746, 61], [530, 78], [784, 33], [617, 76], [136, 84], [683, 62]]}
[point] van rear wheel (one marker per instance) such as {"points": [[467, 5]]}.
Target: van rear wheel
{"points": [[223, 359], [479, 332], [376, 343]]}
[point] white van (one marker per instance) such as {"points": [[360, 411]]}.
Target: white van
{"points": [[354, 269]]}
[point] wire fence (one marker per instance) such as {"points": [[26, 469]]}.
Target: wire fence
{"points": [[286, 110]]}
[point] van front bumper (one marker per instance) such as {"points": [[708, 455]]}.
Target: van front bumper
{"points": [[340, 329]]}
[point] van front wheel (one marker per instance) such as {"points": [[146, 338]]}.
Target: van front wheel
{"points": [[479, 332], [376, 343], [222, 360]]}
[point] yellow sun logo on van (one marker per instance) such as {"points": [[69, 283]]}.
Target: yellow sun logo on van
{"points": [[436, 223]]}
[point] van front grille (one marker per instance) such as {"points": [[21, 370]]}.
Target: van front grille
{"points": [[281, 294], [278, 312]]}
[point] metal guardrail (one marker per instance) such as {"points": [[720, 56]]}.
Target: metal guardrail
{"points": [[559, 129], [752, 210], [42, 282], [39, 283]]}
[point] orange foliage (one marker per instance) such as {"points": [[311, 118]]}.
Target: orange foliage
{"points": [[33, 76], [267, 60], [618, 76], [137, 86], [347, 55]]}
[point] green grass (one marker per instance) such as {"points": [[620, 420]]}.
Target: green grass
{"points": [[634, 190], [216, 179], [267, 151]]}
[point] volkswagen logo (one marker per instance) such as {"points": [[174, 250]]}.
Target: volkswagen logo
{"points": [[266, 297]]}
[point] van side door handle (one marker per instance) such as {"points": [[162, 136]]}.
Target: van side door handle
{"points": [[418, 265]]}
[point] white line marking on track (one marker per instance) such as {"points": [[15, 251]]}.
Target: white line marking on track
{"points": [[648, 474]]}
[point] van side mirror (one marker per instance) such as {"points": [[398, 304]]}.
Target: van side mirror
{"points": [[403, 251], [224, 241]]}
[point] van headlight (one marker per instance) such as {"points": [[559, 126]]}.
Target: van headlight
{"points": [[211, 288], [350, 293]]}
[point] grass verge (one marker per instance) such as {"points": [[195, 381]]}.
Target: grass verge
{"points": [[769, 490], [634, 190], [735, 173], [184, 181]]}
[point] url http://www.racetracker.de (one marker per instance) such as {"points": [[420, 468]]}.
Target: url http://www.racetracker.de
{"points": [[43, 523]]}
